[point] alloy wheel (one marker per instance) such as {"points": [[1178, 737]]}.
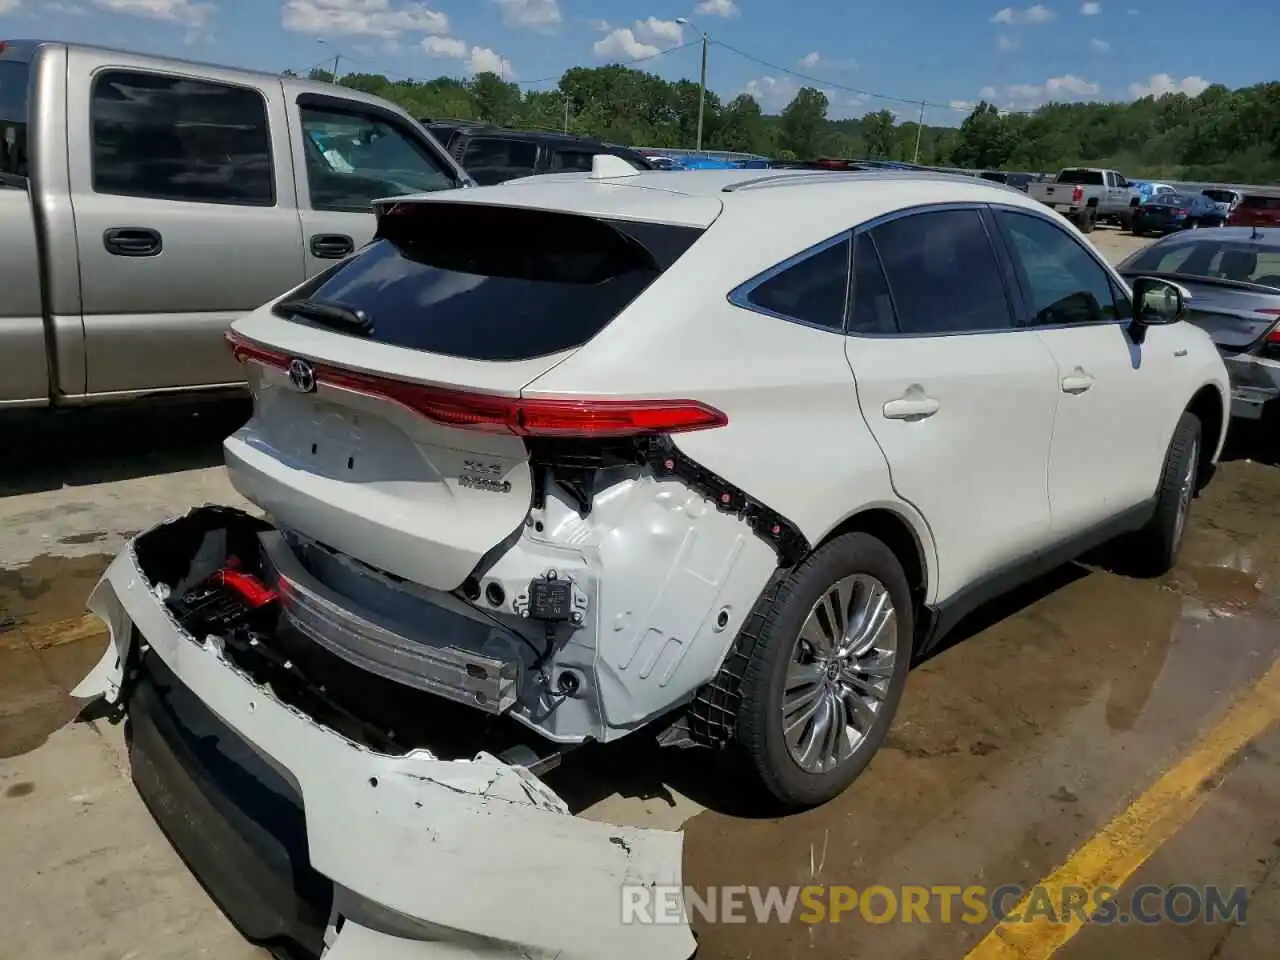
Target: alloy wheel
{"points": [[839, 673]]}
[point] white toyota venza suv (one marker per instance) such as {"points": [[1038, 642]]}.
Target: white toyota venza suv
{"points": [[711, 456]]}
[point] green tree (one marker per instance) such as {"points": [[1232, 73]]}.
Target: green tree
{"points": [[742, 126], [877, 134], [984, 143], [804, 122], [496, 100]]}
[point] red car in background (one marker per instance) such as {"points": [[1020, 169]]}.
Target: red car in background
{"points": [[1256, 210]]}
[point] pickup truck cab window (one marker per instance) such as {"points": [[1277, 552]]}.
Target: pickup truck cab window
{"points": [[354, 158], [174, 138]]}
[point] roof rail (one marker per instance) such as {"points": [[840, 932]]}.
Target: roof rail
{"points": [[828, 176]]}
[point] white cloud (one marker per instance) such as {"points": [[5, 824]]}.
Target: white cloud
{"points": [[717, 8], [1006, 43], [359, 18], [647, 38], [532, 14], [604, 26], [1100, 46], [1091, 9], [65, 9], [1012, 15], [193, 14], [473, 59], [664, 33], [966, 105], [815, 60], [622, 44], [9, 6], [772, 93], [484, 60], [1028, 96], [444, 47], [1161, 83]]}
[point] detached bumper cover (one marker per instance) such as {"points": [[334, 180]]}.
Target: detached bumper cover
{"points": [[434, 858]]}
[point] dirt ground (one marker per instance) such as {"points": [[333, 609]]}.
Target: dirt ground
{"points": [[1038, 735]]}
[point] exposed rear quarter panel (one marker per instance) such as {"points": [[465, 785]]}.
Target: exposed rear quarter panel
{"points": [[24, 376]]}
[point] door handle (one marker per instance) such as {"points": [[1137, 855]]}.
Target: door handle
{"points": [[331, 246], [1180, 353], [912, 405], [132, 241], [1077, 382]]}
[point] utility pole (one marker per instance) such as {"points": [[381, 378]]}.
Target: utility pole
{"points": [[919, 130], [336, 58], [702, 81], [566, 113]]}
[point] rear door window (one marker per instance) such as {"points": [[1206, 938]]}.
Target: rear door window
{"points": [[494, 159], [496, 283], [943, 273], [173, 138], [13, 117]]}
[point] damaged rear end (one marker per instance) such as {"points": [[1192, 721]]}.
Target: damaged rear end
{"points": [[330, 809]]}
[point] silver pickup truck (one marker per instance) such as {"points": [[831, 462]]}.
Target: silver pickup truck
{"points": [[146, 203], [1086, 195]]}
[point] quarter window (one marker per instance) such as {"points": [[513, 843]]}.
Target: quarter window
{"points": [[354, 158], [812, 291], [1063, 284], [515, 156], [943, 273], [172, 138]]}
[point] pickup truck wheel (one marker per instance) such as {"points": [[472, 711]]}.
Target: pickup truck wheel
{"points": [[1157, 544], [1086, 220], [827, 672]]}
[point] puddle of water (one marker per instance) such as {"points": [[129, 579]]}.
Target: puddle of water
{"points": [[35, 680]]}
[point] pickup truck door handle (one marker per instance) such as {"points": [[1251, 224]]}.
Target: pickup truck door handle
{"points": [[1077, 381], [132, 241], [912, 405], [331, 246]]}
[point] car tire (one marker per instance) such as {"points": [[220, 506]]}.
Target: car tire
{"points": [[1193, 224], [1087, 220], [1158, 542], [797, 671], [1137, 226]]}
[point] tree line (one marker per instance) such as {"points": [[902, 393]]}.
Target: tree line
{"points": [[1222, 134]]}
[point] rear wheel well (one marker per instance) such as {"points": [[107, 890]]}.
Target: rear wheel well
{"points": [[897, 535], [1208, 409]]}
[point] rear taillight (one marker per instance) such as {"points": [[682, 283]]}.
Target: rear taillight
{"points": [[1181, 213], [467, 410], [1077, 194], [1274, 335]]}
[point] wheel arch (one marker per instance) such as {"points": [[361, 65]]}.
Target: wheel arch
{"points": [[903, 532], [1210, 408]]}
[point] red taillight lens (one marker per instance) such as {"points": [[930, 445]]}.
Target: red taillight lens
{"points": [[1181, 213], [1274, 335], [487, 413], [1077, 194]]}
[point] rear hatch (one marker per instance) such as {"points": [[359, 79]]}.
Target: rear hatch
{"points": [[388, 420]]}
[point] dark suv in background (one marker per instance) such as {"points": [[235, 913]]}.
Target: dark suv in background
{"points": [[494, 154]]}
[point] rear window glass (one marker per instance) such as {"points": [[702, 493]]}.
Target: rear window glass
{"points": [[13, 117], [1087, 177], [494, 283], [1219, 196], [1257, 202], [1243, 263]]}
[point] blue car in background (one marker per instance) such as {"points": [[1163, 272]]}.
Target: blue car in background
{"points": [[1167, 212]]}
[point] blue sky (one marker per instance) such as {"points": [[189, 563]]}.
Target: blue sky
{"points": [[950, 52]]}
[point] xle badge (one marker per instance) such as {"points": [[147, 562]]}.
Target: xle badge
{"points": [[483, 476]]}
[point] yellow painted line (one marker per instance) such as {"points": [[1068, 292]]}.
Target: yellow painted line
{"points": [[42, 636], [1115, 852]]}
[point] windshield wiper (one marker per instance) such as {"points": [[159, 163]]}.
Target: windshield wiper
{"points": [[335, 316]]}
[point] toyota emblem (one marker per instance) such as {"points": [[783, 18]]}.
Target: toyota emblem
{"points": [[302, 375]]}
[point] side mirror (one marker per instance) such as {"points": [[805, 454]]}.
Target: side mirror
{"points": [[1156, 302]]}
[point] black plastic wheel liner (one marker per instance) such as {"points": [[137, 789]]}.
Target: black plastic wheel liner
{"points": [[236, 823]]}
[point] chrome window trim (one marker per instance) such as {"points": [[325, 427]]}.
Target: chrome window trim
{"points": [[740, 296]]}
